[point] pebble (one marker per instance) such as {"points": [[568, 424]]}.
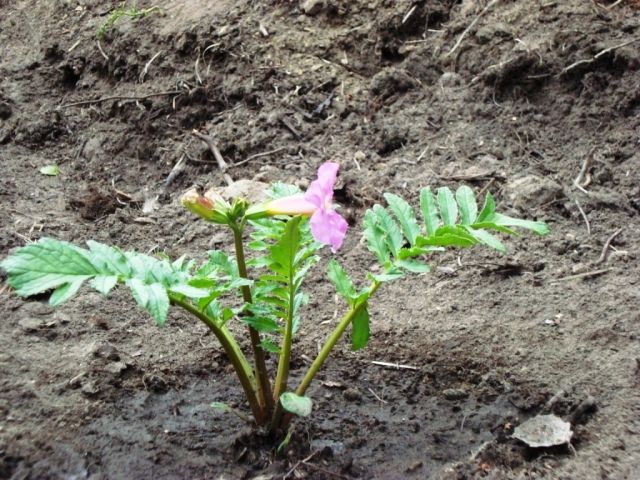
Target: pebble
{"points": [[31, 324], [352, 394], [312, 7], [90, 389], [454, 394], [532, 191]]}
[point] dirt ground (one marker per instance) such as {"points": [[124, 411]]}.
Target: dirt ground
{"points": [[509, 96]]}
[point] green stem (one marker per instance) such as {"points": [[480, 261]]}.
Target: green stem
{"points": [[232, 349], [332, 340], [282, 376], [261, 372]]}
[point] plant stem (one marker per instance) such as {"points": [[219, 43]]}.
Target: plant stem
{"points": [[264, 385], [232, 349], [282, 376], [332, 340]]}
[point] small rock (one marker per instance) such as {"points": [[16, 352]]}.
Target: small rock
{"points": [[390, 81], [5, 110], [451, 79], [312, 7], [90, 389], [544, 431], [116, 368], [532, 191], [352, 394], [106, 351], [454, 394], [31, 324], [36, 308], [359, 156]]}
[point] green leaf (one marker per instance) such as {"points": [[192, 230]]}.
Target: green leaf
{"points": [[413, 266], [66, 291], [360, 328], [448, 236], [391, 230], [344, 285], [104, 283], [261, 324], [488, 208], [429, 211], [269, 346], [448, 206], [375, 237], [109, 259], [46, 264], [501, 220], [417, 251], [189, 291], [388, 277], [405, 216], [158, 303], [50, 170], [467, 204], [487, 239], [296, 404]]}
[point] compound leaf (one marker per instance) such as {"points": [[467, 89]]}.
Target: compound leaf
{"points": [[448, 206], [405, 216], [467, 205]]}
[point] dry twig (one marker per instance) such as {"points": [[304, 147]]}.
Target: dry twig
{"points": [[593, 273], [596, 56], [605, 249], [222, 165], [584, 179], [584, 216], [119, 97], [471, 25]]}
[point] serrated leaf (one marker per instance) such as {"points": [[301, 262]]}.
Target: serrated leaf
{"points": [[104, 283], [487, 239], [50, 170], [467, 205], [269, 346], [66, 291], [405, 216], [261, 324], [413, 266], [46, 264], [360, 328], [429, 211], [375, 237], [344, 285], [138, 291], [448, 206], [296, 404], [390, 229], [157, 303]]}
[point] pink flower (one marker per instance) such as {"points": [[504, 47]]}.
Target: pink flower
{"points": [[327, 226]]}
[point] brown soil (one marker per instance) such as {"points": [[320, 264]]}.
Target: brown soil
{"points": [[95, 390]]}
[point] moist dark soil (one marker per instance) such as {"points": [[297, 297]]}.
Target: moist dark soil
{"points": [[511, 97]]}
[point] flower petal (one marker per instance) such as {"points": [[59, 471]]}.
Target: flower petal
{"points": [[292, 205], [320, 192], [329, 228]]}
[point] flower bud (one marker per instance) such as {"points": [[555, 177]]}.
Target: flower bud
{"points": [[203, 207]]}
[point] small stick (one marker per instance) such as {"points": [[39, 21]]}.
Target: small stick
{"points": [[471, 25], [593, 273], [618, 2], [394, 365], [147, 65], [578, 182], [258, 155], [120, 97], [300, 462], [605, 249], [222, 165], [377, 397], [584, 216], [106, 57], [596, 56]]}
